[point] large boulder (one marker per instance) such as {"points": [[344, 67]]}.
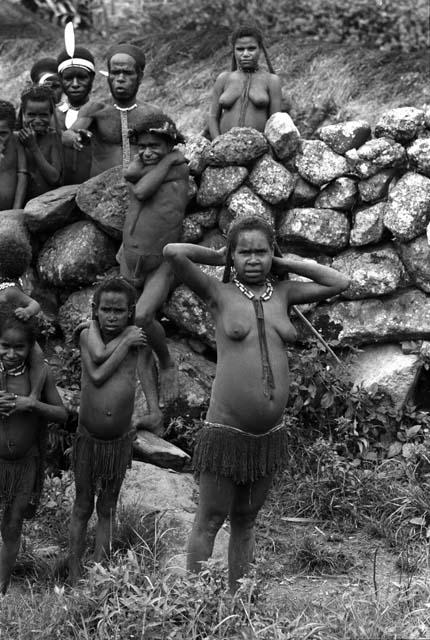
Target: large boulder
{"points": [[271, 180], [376, 187], [372, 272], [217, 183], [415, 256], [419, 156], [213, 239], [171, 495], [105, 199], [239, 146], [368, 226], [318, 164], [387, 366], [401, 124], [194, 151], [408, 208], [74, 256], [245, 202], [376, 155], [322, 229], [52, 210], [340, 194], [402, 316], [283, 135], [76, 309], [343, 136], [304, 193], [189, 313], [192, 230]]}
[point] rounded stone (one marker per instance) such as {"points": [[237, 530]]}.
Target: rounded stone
{"points": [[271, 180], [238, 146]]}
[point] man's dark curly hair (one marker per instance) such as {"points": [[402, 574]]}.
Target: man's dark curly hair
{"points": [[159, 124], [7, 112], [15, 256]]}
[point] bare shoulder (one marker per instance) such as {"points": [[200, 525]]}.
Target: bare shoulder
{"points": [[222, 78]]}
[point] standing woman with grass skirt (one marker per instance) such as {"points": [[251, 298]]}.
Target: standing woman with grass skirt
{"points": [[243, 441], [246, 96]]}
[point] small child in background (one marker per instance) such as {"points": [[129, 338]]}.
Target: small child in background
{"points": [[45, 72], [41, 143], [13, 164], [15, 256], [104, 439], [22, 421]]}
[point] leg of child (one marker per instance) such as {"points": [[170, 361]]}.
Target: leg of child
{"points": [[38, 371], [147, 372], [82, 510], [106, 509], [157, 287], [11, 527]]}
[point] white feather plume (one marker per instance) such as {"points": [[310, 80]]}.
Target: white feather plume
{"points": [[69, 39]]}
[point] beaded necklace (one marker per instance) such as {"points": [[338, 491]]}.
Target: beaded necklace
{"points": [[267, 373], [123, 112]]}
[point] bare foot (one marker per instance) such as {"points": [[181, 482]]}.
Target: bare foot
{"points": [[153, 422], [168, 377]]}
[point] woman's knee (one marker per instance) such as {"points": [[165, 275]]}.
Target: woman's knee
{"points": [[210, 523], [11, 529], [82, 509]]}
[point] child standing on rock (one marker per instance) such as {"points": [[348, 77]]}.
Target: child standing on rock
{"points": [[22, 420], [41, 144], [104, 439], [158, 185]]}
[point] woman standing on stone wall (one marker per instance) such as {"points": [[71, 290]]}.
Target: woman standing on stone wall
{"points": [[243, 441], [246, 96]]}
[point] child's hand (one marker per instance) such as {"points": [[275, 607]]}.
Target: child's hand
{"points": [[176, 157], [7, 403], [23, 313], [27, 137], [135, 336]]}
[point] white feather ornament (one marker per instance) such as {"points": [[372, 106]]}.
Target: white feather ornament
{"points": [[69, 39]]}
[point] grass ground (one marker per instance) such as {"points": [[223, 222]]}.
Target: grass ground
{"points": [[314, 578]]}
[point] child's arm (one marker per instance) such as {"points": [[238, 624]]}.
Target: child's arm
{"points": [[27, 307], [150, 182], [98, 374], [38, 371], [52, 409], [98, 350], [22, 178], [136, 170], [50, 172]]}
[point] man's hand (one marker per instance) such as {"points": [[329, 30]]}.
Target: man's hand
{"points": [[81, 139]]}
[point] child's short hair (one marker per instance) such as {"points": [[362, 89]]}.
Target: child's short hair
{"points": [[8, 320], [15, 255], [37, 93], [160, 125], [115, 284], [7, 112]]}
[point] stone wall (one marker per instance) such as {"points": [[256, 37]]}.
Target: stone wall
{"points": [[357, 202]]}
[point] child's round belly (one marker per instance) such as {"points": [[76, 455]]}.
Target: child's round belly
{"points": [[18, 434], [105, 416]]}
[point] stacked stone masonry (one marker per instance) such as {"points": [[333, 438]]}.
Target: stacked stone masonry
{"points": [[358, 202]]}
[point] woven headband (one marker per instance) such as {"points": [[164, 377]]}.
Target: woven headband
{"points": [[76, 62], [44, 77]]}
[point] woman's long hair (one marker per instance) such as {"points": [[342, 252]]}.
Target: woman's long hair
{"points": [[249, 30]]}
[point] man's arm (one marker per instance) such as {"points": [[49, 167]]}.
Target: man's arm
{"points": [[275, 94], [72, 137], [215, 111], [98, 374]]}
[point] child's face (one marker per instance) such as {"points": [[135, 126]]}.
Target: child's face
{"points": [[14, 347], [113, 313], [37, 116], [5, 134], [152, 148]]}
